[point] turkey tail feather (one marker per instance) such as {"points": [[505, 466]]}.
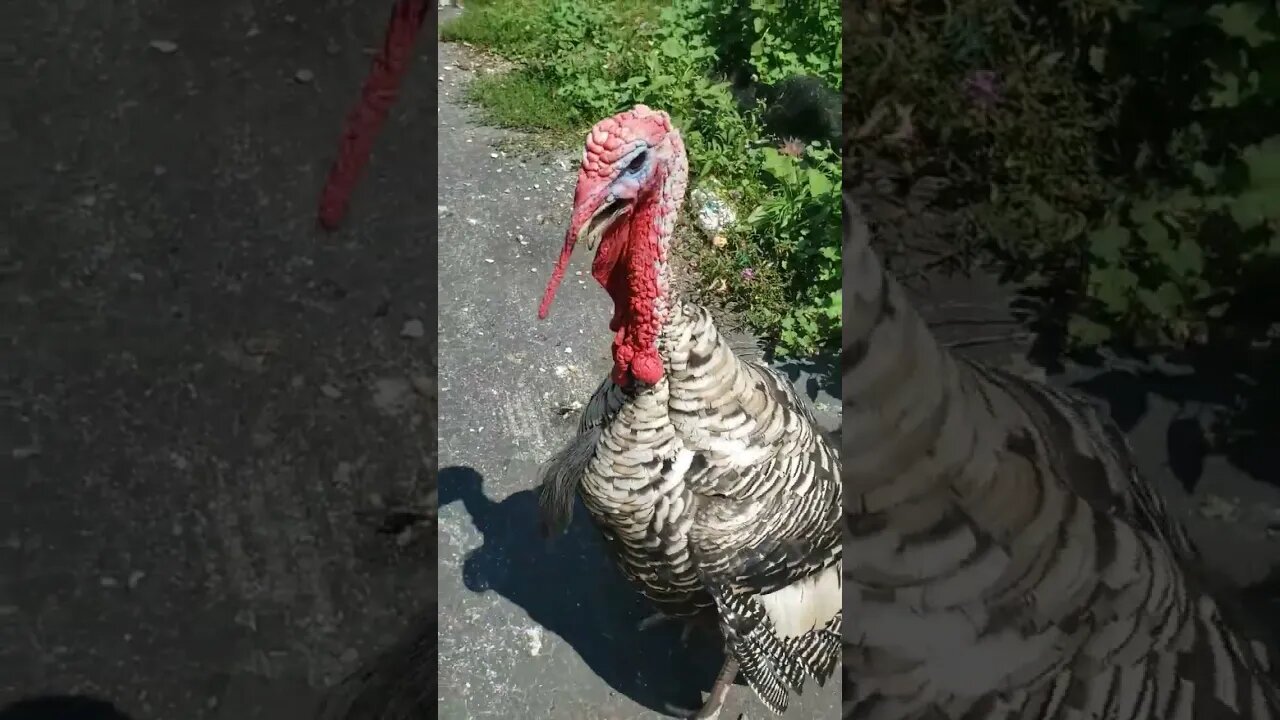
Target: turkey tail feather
{"points": [[559, 483]]}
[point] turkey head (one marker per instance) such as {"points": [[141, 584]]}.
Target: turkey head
{"points": [[630, 189]]}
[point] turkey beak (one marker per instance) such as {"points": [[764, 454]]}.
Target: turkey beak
{"points": [[593, 215], [601, 220]]}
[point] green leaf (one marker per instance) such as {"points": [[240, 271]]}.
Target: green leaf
{"points": [[1098, 59], [1087, 332], [1185, 259], [1263, 161], [1042, 210], [1112, 287], [1253, 208], [1240, 20], [1109, 242], [1207, 176], [1155, 234], [672, 47], [835, 305], [778, 165], [819, 184], [1164, 302]]}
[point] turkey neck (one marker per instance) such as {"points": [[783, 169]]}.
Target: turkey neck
{"points": [[908, 429], [640, 284]]}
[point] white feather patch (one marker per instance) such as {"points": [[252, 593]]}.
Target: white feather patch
{"points": [[806, 605]]}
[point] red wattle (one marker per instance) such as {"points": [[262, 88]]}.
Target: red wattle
{"points": [[646, 366]]}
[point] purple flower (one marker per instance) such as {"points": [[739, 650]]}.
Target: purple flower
{"points": [[983, 87], [748, 274]]}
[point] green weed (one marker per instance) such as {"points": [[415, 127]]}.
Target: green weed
{"points": [[1118, 158], [524, 101]]}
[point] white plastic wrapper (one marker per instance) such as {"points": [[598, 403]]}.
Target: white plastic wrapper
{"points": [[711, 214]]}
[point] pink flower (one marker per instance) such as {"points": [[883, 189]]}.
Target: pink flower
{"points": [[983, 87], [748, 274]]}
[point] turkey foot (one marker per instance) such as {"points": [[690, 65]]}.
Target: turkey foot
{"points": [[658, 618], [719, 691]]}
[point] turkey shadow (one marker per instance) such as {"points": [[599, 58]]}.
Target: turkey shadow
{"points": [[570, 587], [62, 707], [814, 377], [1224, 404]]}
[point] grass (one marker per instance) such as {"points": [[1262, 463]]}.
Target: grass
{"points": [[509, 26], [523, 101]]}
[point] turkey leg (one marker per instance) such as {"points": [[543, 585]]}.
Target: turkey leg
{"points": [[719, 691], [658, 618]]}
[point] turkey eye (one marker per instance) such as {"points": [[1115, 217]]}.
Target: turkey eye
{"points": [[637, 162]]}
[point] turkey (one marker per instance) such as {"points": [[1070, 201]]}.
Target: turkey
{"points": [[707, 475], [1003, 558]]}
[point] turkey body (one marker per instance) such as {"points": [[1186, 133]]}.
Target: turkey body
{"points": [[718, 496], [1003, 558]]}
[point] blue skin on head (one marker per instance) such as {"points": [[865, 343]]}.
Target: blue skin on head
{"points": [[635, 169]]}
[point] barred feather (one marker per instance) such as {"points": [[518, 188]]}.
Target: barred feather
{"points": [[716, 493], [1003, 557]]}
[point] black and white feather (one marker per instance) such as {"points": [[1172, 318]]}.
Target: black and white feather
{"points": [[1004, 558], [718, 496]]}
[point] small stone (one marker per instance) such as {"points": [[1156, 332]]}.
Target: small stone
{"points": [[25, 453], [493, 155], [247, 618], [253, 31], [304, 76], [568, 350], [350, 655], [719, 241], [108, 582], [393, 395], [165, 46], [259, 346], [412, 329], [488, 260], [136, 277], [159, 170], [135, 577], [342, 474], [330, 391]]}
